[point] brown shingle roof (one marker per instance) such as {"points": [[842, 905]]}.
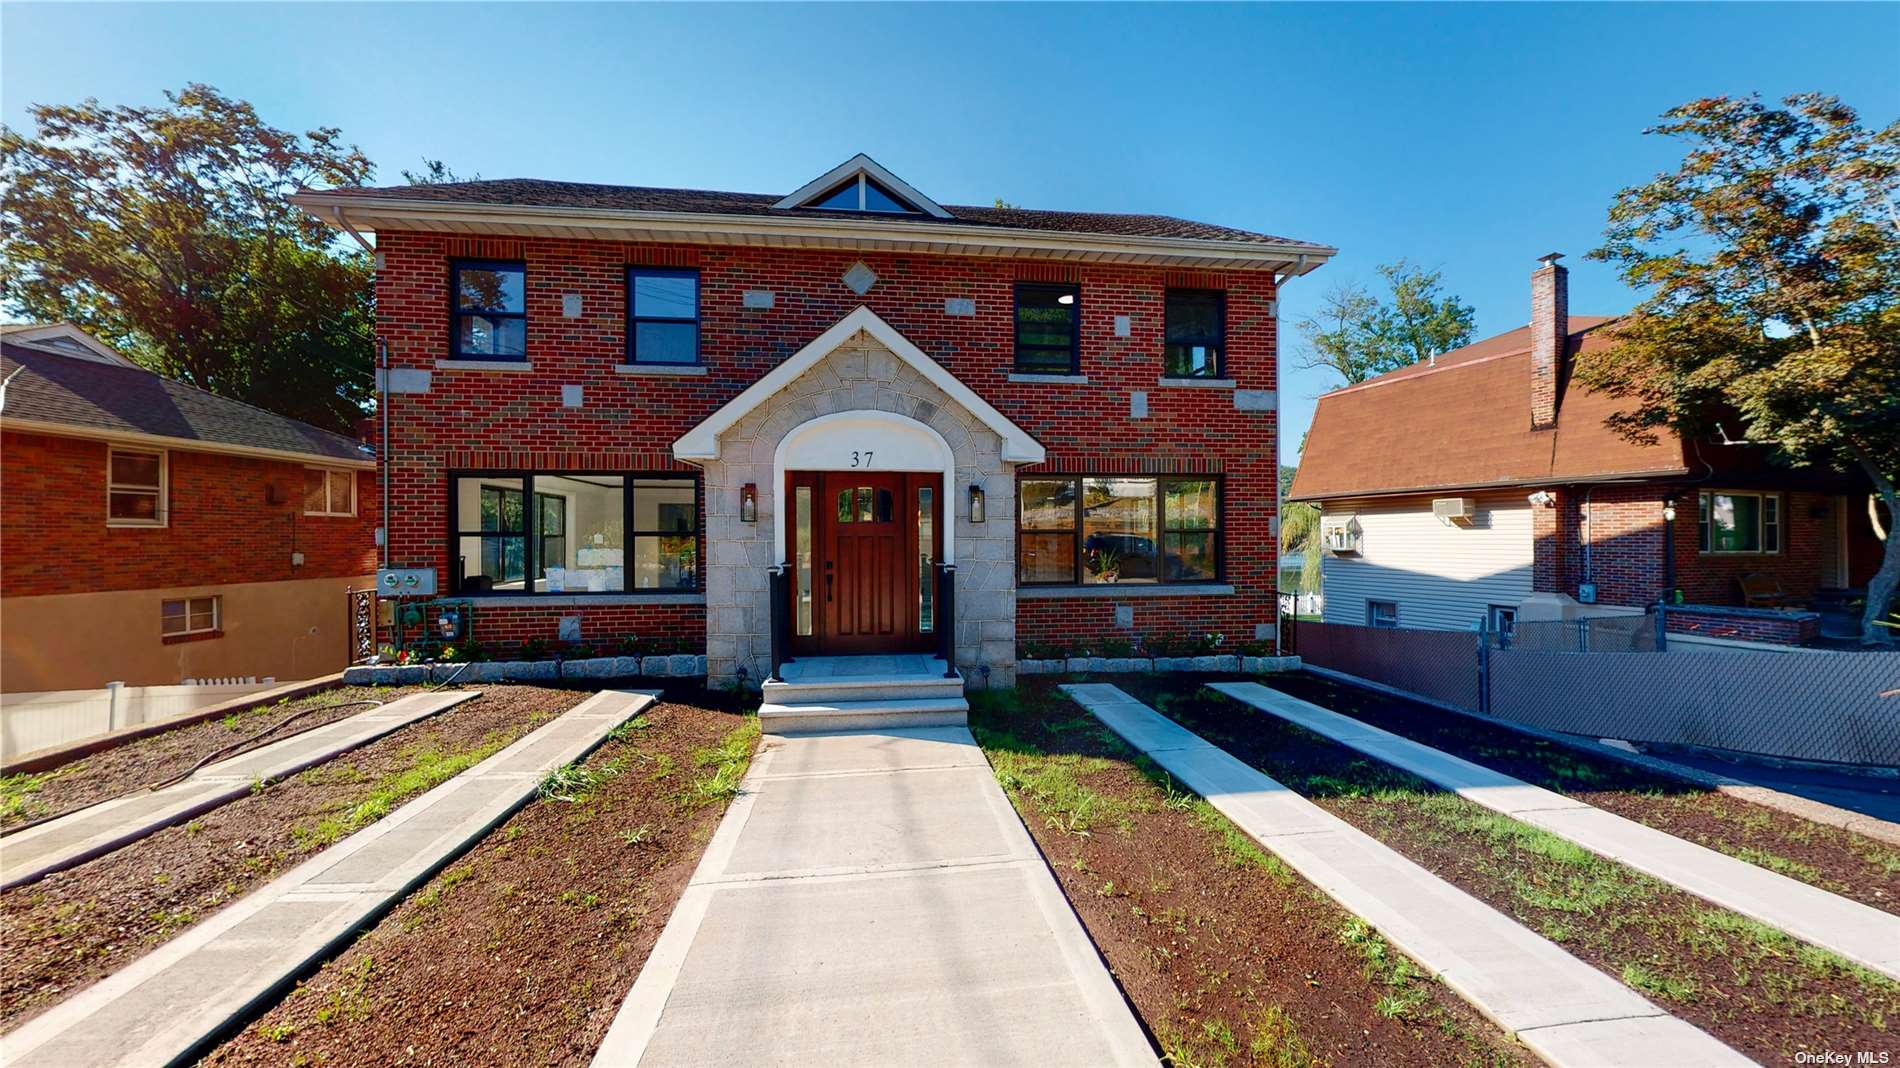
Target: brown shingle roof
{"points": [[90, 395], [1464, 423], [536, 192]]}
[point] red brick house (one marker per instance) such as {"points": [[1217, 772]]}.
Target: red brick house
{"points": [[1485, 484], [633, 413], [153, 532]]}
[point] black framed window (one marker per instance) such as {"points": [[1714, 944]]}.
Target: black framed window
{"points": [[1048, 319], [1382, 614], [1099, 529], [1196, 333], [490, 308], [580, 532], [1729, 522], [662, 315]]}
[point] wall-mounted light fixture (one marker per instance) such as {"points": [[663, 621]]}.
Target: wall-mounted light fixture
{"points": [[976, 503], [749, 503], [1669, 509]]}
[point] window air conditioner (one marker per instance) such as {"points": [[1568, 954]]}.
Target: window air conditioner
{"points": [[1460, 510]]}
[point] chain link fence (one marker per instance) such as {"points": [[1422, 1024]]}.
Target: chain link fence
{"points": [[1612, 678]]}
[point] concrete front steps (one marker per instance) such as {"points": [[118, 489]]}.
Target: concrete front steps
{"points": [[854, 693]]}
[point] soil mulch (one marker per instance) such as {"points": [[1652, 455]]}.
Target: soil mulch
{"points": [[105, 775], [1766, 994], [1227, 955], [75, 927], [1833, 859], [522, 951]]}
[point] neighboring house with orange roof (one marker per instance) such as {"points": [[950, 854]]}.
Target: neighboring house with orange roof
{"points": [[1486, 485]]}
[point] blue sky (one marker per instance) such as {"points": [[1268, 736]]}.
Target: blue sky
{"points": [[1469, 138]]}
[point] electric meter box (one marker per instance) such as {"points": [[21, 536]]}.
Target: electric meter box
{"points": [[405, 582]]}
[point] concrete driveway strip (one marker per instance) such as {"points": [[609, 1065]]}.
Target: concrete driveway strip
{"points": [[872, 899], [77, 837], [165, 1007], [1565, 1011], [1860, 933]]}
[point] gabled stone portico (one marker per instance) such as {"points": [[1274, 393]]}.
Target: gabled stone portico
{"points": [[862, 388]]}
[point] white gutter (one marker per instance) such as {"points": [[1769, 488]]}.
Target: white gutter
{"points": [[342, 222], [697, 227]]}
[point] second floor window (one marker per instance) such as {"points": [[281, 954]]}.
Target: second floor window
{"points": [[135, 488], [1197, 333], [328, 492], [1047, 317], [491, 310], [662, 316]]}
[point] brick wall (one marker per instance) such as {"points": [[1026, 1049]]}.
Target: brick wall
{"points": [[516, 418], [221, 525], [1626, 546], [1781, 628]]}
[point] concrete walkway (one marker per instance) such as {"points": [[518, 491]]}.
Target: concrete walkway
{"points": [[166, 1006], [1861, 933], [79, 836], [1564, 1010], [872, 899]]}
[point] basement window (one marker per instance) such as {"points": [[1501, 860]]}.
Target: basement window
{"points": [[135, 488], [189, 617], [1383, 615]]}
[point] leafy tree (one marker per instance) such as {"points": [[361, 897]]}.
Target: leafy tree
{"points": [[1770, 264], [1299, 532], [1358, 335], [436, 172], [166, 231]]}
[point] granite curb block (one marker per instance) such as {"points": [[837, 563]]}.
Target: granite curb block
{"points": [[67, 841], [679, 666], [1567, 1012], [1860, 933], [168, 1006], [1117, 665]]}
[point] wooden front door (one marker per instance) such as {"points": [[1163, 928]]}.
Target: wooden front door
{"points": [[873, 539]]}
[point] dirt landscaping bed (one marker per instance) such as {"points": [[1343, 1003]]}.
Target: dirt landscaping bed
{"points": [[1228, 956], [26, 798], [1835, 860], [1768, 995], [521, 951], [77, 926]]}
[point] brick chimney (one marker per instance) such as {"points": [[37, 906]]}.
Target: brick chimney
{"points": [[1550, 329]]}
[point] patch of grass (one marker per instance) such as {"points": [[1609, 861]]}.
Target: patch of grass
{"points": [[1383, 963], [350, 1000], [17, 800], [233, 721], [432, 895], [721, 767], [628, 729], [1273, 1041], [280, 1033], [426, 769], [1657, 984], [573, 783]]}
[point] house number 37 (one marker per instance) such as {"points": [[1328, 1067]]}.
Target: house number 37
{"points": [[861, 459]]}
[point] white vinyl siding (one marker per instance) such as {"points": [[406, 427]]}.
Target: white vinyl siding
{"points": [[1441, 576]]}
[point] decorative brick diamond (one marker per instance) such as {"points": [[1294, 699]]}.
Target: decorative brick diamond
{"points": [[860, 278]]}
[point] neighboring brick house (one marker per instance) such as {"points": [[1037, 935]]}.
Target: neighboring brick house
{"points": [[152, 532], [1486, 484], [614, 410]]}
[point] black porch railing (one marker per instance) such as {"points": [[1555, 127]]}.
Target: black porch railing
{"points": [[779, 583], [946, 622]]}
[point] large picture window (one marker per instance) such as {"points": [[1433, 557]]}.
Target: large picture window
{"points": [[1102, 529], [1196, 333], [572, 533], [1047, 318], [1739, 522], [662, 316], [491, 310]]}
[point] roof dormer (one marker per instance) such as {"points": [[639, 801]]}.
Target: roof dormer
{"points": [[860, 184]]}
